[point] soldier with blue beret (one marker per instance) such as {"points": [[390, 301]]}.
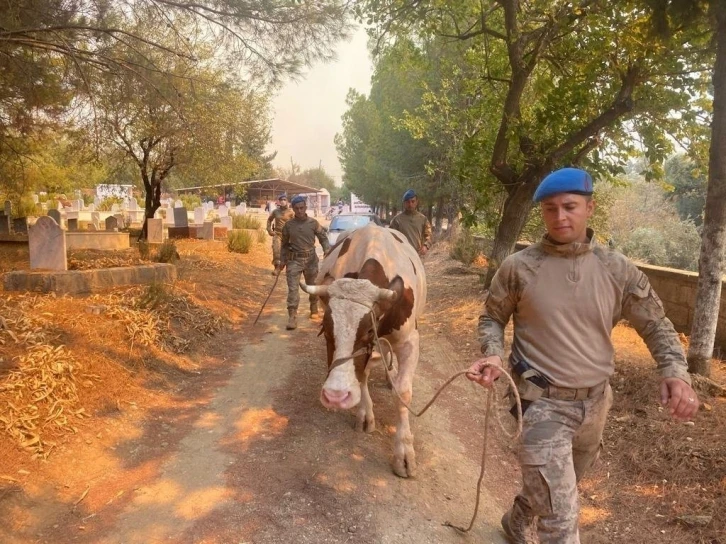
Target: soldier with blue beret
{"points": [[414, 225], [566, 293], [275, 221], [299, 256]]}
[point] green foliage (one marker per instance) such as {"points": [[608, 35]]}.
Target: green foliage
{"points": [[190, 201], [239, 241], [107, 203], [464, 248], [167, 252], [689, 184], [674, 245], [155, 295], [246, 222]]}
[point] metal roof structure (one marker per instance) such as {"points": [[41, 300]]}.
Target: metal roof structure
{"points": [[265, 189]]}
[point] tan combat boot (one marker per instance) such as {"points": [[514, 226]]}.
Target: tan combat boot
{"points": [[313, 309], [292, 320], [519, 526]]}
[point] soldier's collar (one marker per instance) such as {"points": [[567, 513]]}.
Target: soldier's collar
{"points": [[571, 249]]}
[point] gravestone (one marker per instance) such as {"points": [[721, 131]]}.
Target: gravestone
{"points": [[36, 198], [114, 208], [4, 224], [91, 227], [72, 225], [169, 218], [8, 208], [96, 201], [133, 205], [47, 245], [207, 230], [111, 223], [96, 220], [56, 215], [154, 231], [120, 220], [178, 204], [199, 215], [20, 225], [181, 218], [226, 222], [91, 208], [241, 209], [223, 211]]}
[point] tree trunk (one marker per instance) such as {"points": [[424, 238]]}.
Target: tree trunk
{"points": [[439, 216], [516, 210], [713, 237]]}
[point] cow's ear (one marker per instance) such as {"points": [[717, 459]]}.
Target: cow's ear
{"points": [[396, 285]]}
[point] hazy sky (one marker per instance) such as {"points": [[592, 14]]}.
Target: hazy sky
{"points": [[308, 112]]}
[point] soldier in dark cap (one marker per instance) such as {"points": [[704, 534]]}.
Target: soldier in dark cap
{"points": [[413, 224], [275, 222], [298, 255], [566, 293]]}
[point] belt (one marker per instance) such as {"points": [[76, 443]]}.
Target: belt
{"points": [[566, 393], [302, 254]]}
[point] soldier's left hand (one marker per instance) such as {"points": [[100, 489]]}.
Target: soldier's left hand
{"points": [[423, 251], [678, 398]]}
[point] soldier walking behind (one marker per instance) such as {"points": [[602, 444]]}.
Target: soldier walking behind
{"points": [[566, 294], [414, 225], [277, 219], [298, 255]]}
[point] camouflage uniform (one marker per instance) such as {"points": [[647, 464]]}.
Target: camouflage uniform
{"points": [[565, 300], [298, 253], [415, 227], [275, 222]]}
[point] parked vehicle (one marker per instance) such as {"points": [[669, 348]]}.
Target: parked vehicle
{"points": [[349, 221]]}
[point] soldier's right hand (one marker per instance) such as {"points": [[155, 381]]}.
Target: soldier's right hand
{"points": [[485, 371]]}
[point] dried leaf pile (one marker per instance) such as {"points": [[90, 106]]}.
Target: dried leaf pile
{"points": [[39, 398], [102, 262]]}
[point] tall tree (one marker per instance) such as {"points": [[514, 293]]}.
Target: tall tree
{"points": [[571, 81]]}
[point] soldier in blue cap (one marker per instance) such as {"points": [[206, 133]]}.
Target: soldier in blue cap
{"points": [[413, 224], [566, 293], [298, 255], [276, 220]]}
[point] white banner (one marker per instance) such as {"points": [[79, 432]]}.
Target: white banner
{"points": [[358, 206]]}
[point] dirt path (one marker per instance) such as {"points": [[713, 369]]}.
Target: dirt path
{"points": [[245, 453]]}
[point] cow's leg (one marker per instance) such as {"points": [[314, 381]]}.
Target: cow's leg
{"points": [[365, 420], [404, 457]]}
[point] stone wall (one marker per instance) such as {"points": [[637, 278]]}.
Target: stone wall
{"points": [[677, 290]]}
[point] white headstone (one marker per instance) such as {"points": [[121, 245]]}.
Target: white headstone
{"points": [[241, 209], [96, 220], [36, 199], [178, 204], [199, 214], [114, 208], [222, 211], [47, 245], [154, 231]]}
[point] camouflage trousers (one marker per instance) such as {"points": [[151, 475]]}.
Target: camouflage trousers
{"points": [[560, 440], [276, 249], [309, 269]]}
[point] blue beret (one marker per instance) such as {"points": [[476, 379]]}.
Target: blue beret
{"points": [[564, 180], [408, 195], [283, 195], [297, 199]]}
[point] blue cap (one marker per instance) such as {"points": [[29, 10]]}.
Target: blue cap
{"points": [[408, 195], [564, 180], [283, 195], [297, 199]]}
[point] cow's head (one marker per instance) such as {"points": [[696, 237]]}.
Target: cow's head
{"points": [[348, 330]]}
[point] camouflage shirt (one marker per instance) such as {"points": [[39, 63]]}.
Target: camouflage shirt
{"points": [[565, 300], [415, 227], [278, 218], [298, 237]]}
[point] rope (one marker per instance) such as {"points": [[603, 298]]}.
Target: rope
{"points": [[388, 365]]}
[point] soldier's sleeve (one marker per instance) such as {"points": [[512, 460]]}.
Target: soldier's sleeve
{"points": [[322, 237], [644, 310], [284, 243], [394, 224], [426, 239], [498, 308], [270, 219]]}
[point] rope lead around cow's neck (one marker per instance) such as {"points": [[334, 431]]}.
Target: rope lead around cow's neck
{"points": [[489, 393]]}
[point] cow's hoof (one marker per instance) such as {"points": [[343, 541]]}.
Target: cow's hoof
{"points": [[365, 425], [405, 468]]}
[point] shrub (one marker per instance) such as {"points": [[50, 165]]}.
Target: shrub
{"points": [[154, 296], [108, 202], [239, 241], [261, 236], [167, 253], [246, 222], [190, 201], [464, 248]]}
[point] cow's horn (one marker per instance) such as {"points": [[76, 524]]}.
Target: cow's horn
{"points": [[320, 290], [387, 294]]}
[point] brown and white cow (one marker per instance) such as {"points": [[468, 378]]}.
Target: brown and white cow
{"points": [[371, 269]]}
